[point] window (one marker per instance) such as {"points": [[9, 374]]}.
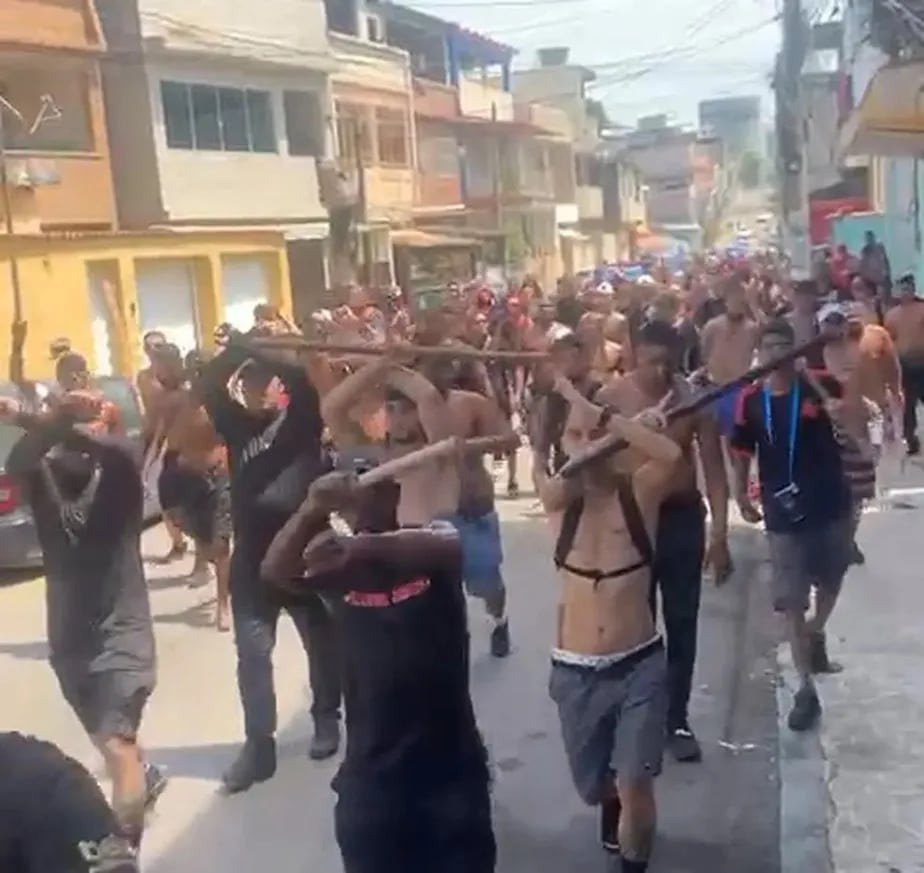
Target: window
{"points": [[304, 123], [392, 136], [206, 120], [217, 119], [233, 119], [177, 115], [439, 156], [352, 129]]}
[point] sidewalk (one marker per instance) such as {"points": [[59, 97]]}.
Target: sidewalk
{"points": [[853, 793]]}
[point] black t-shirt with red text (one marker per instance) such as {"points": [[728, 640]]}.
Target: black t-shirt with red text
{"points": [[409, 714]]}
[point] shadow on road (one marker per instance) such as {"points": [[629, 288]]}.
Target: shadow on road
{"points": [[9, 578], [199, 615], [37, 650]]}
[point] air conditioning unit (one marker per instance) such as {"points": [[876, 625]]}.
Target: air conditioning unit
{"points": [[338, 189]]}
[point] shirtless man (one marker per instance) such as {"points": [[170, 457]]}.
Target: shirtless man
{"points": [[193, 484], [728, 345], [607, 355], [608, 670], [419, 411], [149, 390], [681, 547], [905, 323]]}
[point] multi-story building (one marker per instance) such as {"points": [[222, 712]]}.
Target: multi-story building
{"points": [[217, 114], [587, 238], [624, 198], [736, 122], [53, 124], [488, 169], [375, 145]]}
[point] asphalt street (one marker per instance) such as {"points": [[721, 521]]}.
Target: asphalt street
{"points": [[721, 815]]}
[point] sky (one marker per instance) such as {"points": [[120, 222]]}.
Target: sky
{"points": [[650, 56]]}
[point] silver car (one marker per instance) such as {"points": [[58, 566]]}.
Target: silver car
{"points": [[19, 547]]}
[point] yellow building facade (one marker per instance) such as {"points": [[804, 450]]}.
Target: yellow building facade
{"points": [[104, 291]]}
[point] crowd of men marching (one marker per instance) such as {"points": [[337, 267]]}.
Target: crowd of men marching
{"points": [[340, 475]]}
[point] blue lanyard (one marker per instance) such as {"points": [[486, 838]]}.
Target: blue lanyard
{"points": [[793, 423]]}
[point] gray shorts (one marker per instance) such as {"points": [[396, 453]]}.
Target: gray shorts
{"points": [[816, 556], [612, 720]]}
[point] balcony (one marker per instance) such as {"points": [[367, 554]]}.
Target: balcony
{"points": [[589, 202], [550, 120], [58, 24], [484, 101], [367, 64], [433, 100]]}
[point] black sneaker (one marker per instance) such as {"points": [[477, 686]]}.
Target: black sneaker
{"points": [[326, 739], [914, 446], [684, 746], [500, 640], [155, 781], [857, 558], [255, 763], [610, 811], [806, 710], [819, 662], [513, 490]]}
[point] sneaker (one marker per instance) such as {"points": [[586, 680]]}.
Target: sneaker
{"points": [[513, 490], [818, 656], [684, 746], [500, 640], [155, 781], [857, 558], [610, 811], [255, 763], [806, 710], [914, 446], [326, 739]]}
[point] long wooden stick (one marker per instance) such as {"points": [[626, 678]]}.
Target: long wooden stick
{"points": [[396, 466], [457, 352], [611, 443]]}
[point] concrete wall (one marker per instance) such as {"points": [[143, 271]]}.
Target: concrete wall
{"points": [[56, 299], [439, 180], [215, 185], [484, 100], [49, 23], [667, 159], [369, 65], [822, 126], [273, 31]]}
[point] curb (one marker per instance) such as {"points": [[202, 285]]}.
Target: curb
{"points": [[804, 796]]}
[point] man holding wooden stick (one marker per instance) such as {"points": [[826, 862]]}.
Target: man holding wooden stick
{"points": [[458, 489]]}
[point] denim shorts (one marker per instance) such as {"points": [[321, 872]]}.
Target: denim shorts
{"points": [[482, 552], [613, 720], [806, 557]]}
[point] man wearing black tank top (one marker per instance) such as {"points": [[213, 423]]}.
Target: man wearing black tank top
{"points": [[413, 786], [274, 453]]}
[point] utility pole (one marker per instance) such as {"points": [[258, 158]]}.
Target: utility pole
{"points": [[791, 134], [365, 247], [8, 219]]}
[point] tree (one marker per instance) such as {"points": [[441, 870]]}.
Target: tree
{"points": [[749, 170]]}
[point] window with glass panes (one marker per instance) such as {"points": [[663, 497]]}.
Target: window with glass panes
{"points": [[391, 127], [212, 118]]}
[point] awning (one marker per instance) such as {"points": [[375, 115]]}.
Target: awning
{"points": [[419, 239], [570, 233], [889, 120]]}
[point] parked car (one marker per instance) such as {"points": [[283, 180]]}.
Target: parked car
{"points": [[19, 547]]}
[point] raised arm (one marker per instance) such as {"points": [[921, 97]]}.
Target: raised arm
{"points": [[431, 406], [337, 402]]}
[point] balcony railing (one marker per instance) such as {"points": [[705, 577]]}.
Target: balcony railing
{"points": [[433, 100], [485, 101], [550, 119]]}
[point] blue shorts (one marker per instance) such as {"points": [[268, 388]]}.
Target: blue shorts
{"points": [[482, 553], [725, 408]]}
